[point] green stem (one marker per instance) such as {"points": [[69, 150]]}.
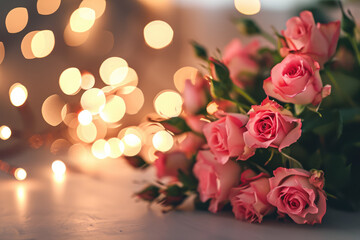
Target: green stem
{"points": [[338, 88], [268, 37], [271, 157], [355, 47], [291, 158], [244, 94]]}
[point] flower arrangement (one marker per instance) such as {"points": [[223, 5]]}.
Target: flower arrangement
{"points": [[265, 126]]}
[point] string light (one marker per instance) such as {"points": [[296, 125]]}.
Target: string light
{"points": [[47, 7], [18, 94], [163, 141], [20, 174], [16, 20], [70, 81], [248, 7], [168, 104], [85, 117], [58, 167], [42, 43], [51, 110], [5, 132], [82, 19], [158, 34]]}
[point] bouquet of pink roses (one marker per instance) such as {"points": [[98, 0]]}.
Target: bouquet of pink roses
{"points": [[265, 126]]}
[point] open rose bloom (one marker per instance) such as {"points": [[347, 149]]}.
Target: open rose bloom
{"points": [[254, 146]]}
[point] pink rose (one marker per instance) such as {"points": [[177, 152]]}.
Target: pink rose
{"points": [[240, 59], [225, 138], [249, 199], [168, 164], [296, 80], [194, 96], [292, 192], [196, 123], [270, 125], [319, 41], [190, 143], [215, 179]]}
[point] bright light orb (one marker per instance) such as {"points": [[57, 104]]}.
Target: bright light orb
{"points": [[87, 81], [47, 7], [51, 110], [86, 133], [5, 132], [42, 43], [18, 94], [248, 7], [93, 100], [97, 5], [117, 147], [114, 109], [82, 19], [85, 117], [26, 45], [163, 141], [20, 174], [100, 149], [158, 34], [16, 20], [114, 70], [70, 81], [132, 144], [168, 104], [58, 167]]}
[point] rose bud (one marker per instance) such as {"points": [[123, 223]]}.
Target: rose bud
{"points": [[293, 193], [191, 143], [196, 123], [270, 125], [150, 193], [168, 164], [225, 138], [249, 198], [215, 179], [173, 196], [316, 40], [194, 96], [240, 61], [296, 80]]}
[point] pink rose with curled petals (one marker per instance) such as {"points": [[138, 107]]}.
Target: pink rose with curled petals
{"points": [[316, 40], [294, 194], [249, 200], [296, 80], [215, 179], [270, 125], [240, 59], [225, 138], [168, 164]]}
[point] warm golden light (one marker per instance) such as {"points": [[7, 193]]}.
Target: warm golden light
{"points": [[182, 75], [113, 70], [212, 108], [163, 141], [20, 174], [168, 104], [87, 81], [97, 5], [58, 167], [47, 7], [132, 144], [2, 52], [70, 81], [248, 7], [74, 39], [26, 45], [114, 109], [93, 100], [5, 132], [100, 149], [82, 19], [117, 147], [59, 146], [158, 34], [86, 133], [134, 101], [16, 20], [51, 110], [42, 43], [18, 94], [85, 117]]}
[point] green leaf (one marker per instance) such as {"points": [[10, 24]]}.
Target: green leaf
{"points": [[218, 90], [177, 125], [348, 24], [247, 26], [200, 51], [299, 109], [222, 73]]}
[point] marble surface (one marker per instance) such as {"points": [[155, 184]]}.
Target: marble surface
{"points": [[99, 204]]}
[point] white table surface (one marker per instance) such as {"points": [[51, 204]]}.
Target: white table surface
{"points": [[99, 205]]}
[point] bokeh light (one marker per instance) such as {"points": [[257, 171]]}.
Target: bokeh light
{"points": [[114, 109], [20, 174], [16, 20], [74, 39], [2, 52], [93, 100], [26, 45], [82, 19], [42, 43], [98, 6], [158, 34], [117, 147], [100, 149], [47, 7], [58, 167], [132, 144], [85, 117], [134, 101], [168, 104], [163, 141], [70, 81], [184, 74], [86, 133], [248, 7], [18, 94], [87, 80], [113, 70], [51, 109], [5, 132]]}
